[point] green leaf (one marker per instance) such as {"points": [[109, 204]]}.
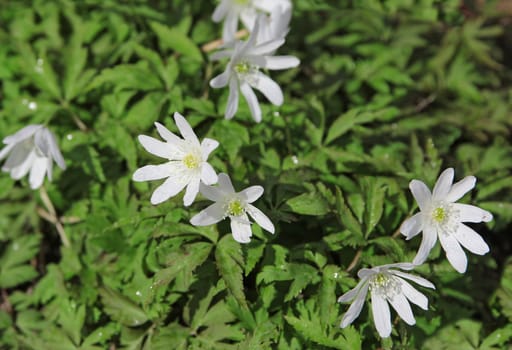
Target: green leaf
{"points": [[346, 216], [229, 258], [173, 38], [14, 267], [312, 203], [122, 309]]}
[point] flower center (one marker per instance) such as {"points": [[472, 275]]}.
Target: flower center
{"points": [[385, 285], [439, 214], [235, 208], [245, 71], [242, 2], [191, 161], [445, 217]]}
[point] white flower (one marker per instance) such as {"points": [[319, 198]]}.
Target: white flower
{"points": [[243, 73], [247, 10], [33, 149], [440, 217], [236, 205], [386, 285], [186, 167], [275, 26]]}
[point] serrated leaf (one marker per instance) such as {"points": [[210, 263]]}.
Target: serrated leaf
{"points": [[346, 216], [173, 38], [122, 309], [312, 203], [313, 331], [229, 258]]}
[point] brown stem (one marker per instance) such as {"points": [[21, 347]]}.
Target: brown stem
{"points": [[212, 45], [354, 261], [51, 216]]}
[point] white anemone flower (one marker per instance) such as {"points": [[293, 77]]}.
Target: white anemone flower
{"points": [[246, 10], [187, 164], [441, 217], [243, 73], [386, 285], [33, 148], [235, 205]]}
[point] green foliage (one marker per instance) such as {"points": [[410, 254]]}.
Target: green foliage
{"points": [[387, 91]]}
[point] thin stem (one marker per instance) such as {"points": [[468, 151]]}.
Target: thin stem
{"points": [[215, 44], [51, 216], [354, 261]]}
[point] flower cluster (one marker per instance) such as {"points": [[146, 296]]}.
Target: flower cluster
{"points": [[268, 23], [439, 216], [187, 167]]}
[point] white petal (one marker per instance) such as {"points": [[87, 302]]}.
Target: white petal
{"points": [[37, 172], [220, 55], [260, 218], [351, 294], [241, 229], [209, 216], [403, 309], [471, 240], [357, 305], [250, 194], [220, 80], [381, 315], [159, 148], [416, 279], [41, 142], [412, 226], [207, 146], [54, 149], [280, 62], [5, 151], [225, 184], [414, 296], [454, 252], [155, 172], [220, 11], [167, 135], [171, 187], [230, 26], [427, 243], [459, 189], [268, 87], [49, 168], [402, 265], [443, 184], [252, 101], [421, 193], [266, 47], [364, 272], [208, 174], [470, 213], [19, 162], [212, 193], [232, 105], [185, 129], [22, 134], [191, 191]]}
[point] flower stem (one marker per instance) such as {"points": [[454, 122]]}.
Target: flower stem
{"points": [[212, 45], [51, 216]]}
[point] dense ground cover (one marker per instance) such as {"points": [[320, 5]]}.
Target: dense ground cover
{"points": [[386, 92]]}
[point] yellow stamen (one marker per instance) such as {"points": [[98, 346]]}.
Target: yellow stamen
{"points": [[235, 208], [439, 214], [191, 161]]}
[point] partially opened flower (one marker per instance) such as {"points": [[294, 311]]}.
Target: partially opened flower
{"points": [[441, 217], [243, 73], [32, 149], [274, 26], [246, 10], [386, 285], [186, 164], [235, 205]]}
